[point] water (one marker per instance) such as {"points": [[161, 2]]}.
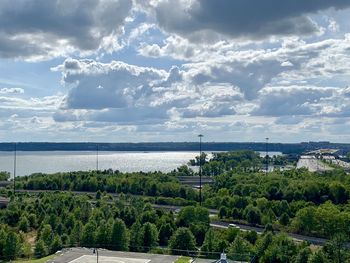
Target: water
{"points": [[66, 161], [63, 161]]}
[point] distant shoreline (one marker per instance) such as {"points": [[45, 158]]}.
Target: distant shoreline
{"points": [[295, 148]]}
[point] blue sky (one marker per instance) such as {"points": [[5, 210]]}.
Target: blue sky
{"points": [[167, 70]]}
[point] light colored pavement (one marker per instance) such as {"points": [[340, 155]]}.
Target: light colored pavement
{"points": [[104, 259], [86, 255]]}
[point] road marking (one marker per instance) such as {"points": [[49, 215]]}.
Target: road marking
{"points": [[105, 259]]}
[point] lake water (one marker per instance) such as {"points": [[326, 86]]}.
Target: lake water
{"points": [[65, 161]]}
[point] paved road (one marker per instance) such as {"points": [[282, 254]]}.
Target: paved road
{"points": [[85, 255], [260, 230]]}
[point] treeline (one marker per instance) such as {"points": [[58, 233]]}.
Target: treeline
{"points": [[149, 184], [173, 146], [58, 220]]}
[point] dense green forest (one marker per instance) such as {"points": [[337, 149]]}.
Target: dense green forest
{"points": [[298, 201]]}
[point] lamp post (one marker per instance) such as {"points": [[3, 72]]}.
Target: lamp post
{"points": [[14, 168], [200, 169], [95, 251], [267, 156], [97, 157]]}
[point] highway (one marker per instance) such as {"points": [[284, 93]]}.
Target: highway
{"points": [[260, 230]]}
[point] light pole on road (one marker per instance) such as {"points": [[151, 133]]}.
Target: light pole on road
{"points": [[97, 157], [200, 169], [267, 156], [14, 168]]}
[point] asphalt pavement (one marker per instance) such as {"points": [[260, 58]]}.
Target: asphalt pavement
{"points": [[260, 230], [86, 255]]}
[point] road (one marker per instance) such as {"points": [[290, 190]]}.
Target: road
{"points": [[260, 230]]}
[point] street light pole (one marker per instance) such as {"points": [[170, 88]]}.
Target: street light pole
{"points": [[97, 157], [267, 156], [14, 169], [200, 169], [95, 251]]}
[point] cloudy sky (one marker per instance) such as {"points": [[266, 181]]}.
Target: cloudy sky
{"points": [[167, 70]]}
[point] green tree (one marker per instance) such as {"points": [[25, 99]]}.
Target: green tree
{"points": [[303, 255], [103, 238], [120, 236], [318, 257], [4, 176], [27, 250], [88, 235], [210, 241], [284, 219], [165, 232], [240, 249], [76, 234], [135, 237], [56, 244], [199, 230], [338, 193], [149, 236], [282, 249], [23, 224], [12, 246], [253, 215], [40, 249], [46, 235], [3, 236], [192, 214], [223, 212], [263, 243], [182, 241]]}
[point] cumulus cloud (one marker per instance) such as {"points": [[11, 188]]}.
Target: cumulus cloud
{"points": [[107, 85], [37, 30], [205, 19], [126, 94]]}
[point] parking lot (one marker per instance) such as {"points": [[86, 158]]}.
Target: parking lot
{"points": [[87, 255]]}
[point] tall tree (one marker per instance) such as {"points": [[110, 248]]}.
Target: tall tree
{"points": [[210, 241], [165, 232], [182, 241], [12, 246], [149, 236], [88, 236], [40, 249], [119, 236]]}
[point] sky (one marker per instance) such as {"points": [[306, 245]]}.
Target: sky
{"points": [[168, 70]]}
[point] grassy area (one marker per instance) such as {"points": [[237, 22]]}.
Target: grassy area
{"points": [[183, 260], [41, 260]]}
